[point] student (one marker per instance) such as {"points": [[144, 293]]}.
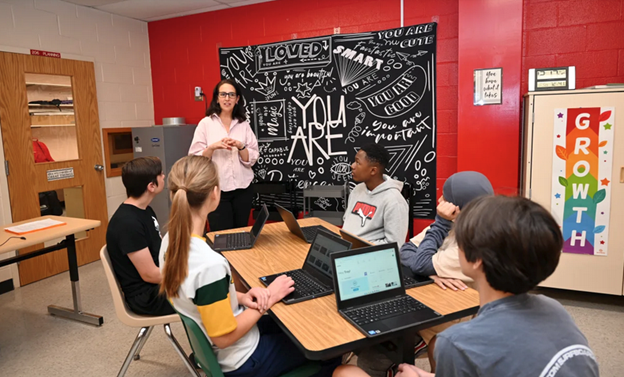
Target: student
{"points": [[198, 282], [433, 252], [508, 246], [133, 238], [225, 136], [376, 212]]}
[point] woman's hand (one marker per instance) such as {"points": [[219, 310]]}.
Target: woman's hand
{"points": [[221, 144], [280, 288], [407, 370], [257, 298], [454, 284], [234, 143]]}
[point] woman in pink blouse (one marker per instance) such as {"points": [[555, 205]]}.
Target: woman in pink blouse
{"points": [[225, 136]]}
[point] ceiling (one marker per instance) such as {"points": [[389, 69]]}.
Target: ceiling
{"points": [[152, 10]]}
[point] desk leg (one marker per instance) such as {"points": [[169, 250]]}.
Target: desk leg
{"points": [[406, 344], [75, 313]]}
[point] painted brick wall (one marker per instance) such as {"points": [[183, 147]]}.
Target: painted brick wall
{"points": [[118, 45], [184, 50], [588, 34]]}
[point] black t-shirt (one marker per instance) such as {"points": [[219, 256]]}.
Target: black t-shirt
{"points": [[132, 229]]}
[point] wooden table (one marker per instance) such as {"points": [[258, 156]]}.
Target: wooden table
{"points": [[315, 325], [68, 231]]}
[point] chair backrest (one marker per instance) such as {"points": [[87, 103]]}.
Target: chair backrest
{"points": [[202, 349], [121, 308], [124, 313]]}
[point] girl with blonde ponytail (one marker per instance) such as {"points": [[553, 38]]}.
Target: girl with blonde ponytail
{"points": [[198, 282]]}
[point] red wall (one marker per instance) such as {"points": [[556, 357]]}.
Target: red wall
{"points": [[184, 51], [471, 34], [588, 34], [490, 36]]}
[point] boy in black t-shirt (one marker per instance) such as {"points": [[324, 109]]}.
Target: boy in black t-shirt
{"points": [[133, 238]]}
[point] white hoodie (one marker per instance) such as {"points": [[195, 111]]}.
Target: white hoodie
{"points": [[378, 216]]}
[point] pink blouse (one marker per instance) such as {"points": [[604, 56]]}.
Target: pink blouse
{"points": [[234, 173]]}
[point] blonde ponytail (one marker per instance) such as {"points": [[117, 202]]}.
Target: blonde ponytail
{"points": [[190, 182]]}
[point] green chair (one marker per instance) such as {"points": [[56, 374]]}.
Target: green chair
{"points": [[206, 358]]}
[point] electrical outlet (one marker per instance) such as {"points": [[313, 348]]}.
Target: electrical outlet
{"points": [[198, 93]]}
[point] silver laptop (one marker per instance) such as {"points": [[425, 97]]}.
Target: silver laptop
{"points": [[307, 233]]}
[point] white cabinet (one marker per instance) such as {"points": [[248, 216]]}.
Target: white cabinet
{"points": [[581, 272]]}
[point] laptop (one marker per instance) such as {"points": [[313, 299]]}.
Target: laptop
{"points": [[370, 293], [307, 233], [410, 280], [241, 240], [314, 278]]}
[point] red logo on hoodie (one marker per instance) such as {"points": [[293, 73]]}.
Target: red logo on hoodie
{"points": [[365, 211]]}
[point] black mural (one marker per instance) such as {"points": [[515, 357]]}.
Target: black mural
{"points": [[313, 102]]}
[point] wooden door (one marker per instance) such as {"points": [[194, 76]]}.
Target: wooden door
{"points": [[600, 274], [74, 136]]}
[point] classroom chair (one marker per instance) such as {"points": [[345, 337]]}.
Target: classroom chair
{"points": [[146, 323], [206, 358]]}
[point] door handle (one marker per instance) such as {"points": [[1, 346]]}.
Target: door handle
{"points": [[99, 167], [621, 174]]}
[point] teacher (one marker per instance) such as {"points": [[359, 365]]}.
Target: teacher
{"points": [[225, 136]]}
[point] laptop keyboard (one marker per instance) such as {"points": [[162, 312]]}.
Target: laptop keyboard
{"points": [[234, 240], [309, 232], [376, 312], [409, 282], [304, 285]]}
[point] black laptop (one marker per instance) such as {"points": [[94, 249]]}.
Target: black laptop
{"points": [[242, 240], [314, 279], [410, 280], [307, 233], [370, 293]]}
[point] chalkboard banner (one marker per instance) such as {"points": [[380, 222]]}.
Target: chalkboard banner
{"points": [[314, 102]]}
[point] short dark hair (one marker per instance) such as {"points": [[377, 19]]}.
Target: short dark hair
{"points": [[239, 109], [517, 240], [376, 153], [139, 173]]}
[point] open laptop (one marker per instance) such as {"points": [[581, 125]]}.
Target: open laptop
{"points": [[242, 240], [307, 233], [410, 280], [314, 279], [370, 293]]}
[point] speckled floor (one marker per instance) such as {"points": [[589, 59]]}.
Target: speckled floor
{"points": [[35, 343]]}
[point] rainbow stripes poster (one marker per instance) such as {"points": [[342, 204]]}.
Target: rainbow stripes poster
{"points": [[581, 186]]}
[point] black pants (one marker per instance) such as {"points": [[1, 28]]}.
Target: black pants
{"points": [[150, 302], [233, 210]]}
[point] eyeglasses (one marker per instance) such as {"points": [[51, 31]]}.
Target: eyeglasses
{"points": [[224, 94]]}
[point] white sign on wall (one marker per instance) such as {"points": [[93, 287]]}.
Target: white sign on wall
{"points": [[488, 86]]}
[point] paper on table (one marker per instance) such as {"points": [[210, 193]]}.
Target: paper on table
{"points": [[34, 226]]}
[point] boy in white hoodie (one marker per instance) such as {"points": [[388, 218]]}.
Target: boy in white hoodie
{"points": [[376, 212]]}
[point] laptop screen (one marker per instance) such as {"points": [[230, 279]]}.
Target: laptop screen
{"points": [[323, 245], [260, 220], [367, 273]]}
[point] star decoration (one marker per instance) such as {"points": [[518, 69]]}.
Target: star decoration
{"points": [[557, 195], [607, 126], [304, 89], [602, 213], [605, 152], [602, 242], [558, 136], [605, 182], [560, 115]]}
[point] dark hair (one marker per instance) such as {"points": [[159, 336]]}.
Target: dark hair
{"points": [[139, 173], [375, 153], [239, 110], [517, 240]]}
